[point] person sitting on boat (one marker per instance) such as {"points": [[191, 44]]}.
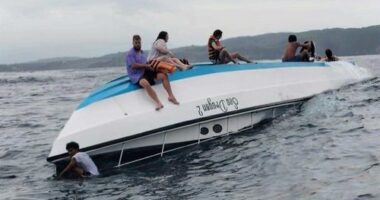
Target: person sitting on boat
{"points": [[140, 72], [218, 54], [80, 162], [161, 52], [310, 56], [291, 49], [329, 56]]}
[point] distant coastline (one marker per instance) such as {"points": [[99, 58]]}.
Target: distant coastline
{"points": [[344, 42]]}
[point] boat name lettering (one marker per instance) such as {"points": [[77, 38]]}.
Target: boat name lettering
{"points": [[223, 105]]}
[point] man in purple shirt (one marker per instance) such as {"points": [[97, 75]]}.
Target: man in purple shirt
{"points": [[141, 73]]}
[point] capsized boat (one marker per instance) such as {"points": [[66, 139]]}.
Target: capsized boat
{"points": [[118, 120]]}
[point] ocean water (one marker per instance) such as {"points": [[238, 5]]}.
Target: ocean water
{"points": [[329, 149]]}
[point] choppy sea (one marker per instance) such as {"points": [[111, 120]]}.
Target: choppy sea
{"points": [[329, 149]]}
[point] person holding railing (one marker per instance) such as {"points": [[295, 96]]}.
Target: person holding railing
{"points": [[80, 162]]}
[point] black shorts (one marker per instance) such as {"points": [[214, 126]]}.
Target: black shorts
{"points": [[149, 76]]}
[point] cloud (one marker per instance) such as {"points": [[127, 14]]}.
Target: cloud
{"points": [[34, 29]]}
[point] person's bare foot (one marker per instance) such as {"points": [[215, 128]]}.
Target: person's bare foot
{"points": [[159, 107], [173, 100], [183, 68], [179, 67]]}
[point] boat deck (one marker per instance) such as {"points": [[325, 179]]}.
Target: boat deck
{"points": [[123, 85]]}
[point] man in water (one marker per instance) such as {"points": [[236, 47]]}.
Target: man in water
{"points": [[218, 54], [140, 72], [291, 49], [80, 162]]}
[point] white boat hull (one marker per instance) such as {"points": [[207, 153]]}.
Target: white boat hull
{"points": [[231, 99]]}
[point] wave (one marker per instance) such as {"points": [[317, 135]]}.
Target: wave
{"points": [[10, 154], [9, 171], [29, 125], [24, 79]]}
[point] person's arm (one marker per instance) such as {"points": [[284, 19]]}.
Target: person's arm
{"points": [[70, 166], [171, 54], [306, 46], [160, 45], [131, 60], [139, 65], [216, 47], [324, 58]]}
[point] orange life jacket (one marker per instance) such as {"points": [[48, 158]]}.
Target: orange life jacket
{"points": [[164, 67], [213, 54]]}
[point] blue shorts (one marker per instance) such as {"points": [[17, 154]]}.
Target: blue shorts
{"points": [[296, 58], [216, 61]]}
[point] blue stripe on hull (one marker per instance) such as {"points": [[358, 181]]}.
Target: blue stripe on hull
{"points": [[122, 84]]}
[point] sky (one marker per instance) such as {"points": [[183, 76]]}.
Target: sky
{"points": [[38, 29]]}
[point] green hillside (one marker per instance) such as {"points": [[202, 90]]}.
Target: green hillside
{"points": [[343, 42]]}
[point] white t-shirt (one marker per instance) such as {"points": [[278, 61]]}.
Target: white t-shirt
{"points": [[85, 162], [159, 48]]}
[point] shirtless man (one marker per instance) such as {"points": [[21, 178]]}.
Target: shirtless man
{"points": [[291, 49]]}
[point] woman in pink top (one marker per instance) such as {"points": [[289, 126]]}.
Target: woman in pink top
{"points": [[160, 52]]}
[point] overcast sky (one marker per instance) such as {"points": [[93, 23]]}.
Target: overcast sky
{"points": [[36, 29]]}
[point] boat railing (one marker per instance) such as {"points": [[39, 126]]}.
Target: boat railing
{"points": [[199, 140]]}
